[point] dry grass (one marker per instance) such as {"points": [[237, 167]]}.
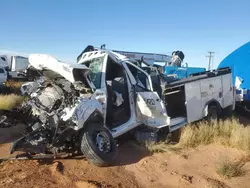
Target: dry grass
{"points": [[229, 169], [9, 97], [14, 84], [161, 147], [228, 133], [7, 102]]}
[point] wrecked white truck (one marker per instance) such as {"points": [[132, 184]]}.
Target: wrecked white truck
{"points": [[83, 107]]}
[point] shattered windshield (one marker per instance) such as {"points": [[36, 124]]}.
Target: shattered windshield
{"points": [[95, 66]]}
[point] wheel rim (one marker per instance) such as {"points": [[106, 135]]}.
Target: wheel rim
{"points": [[103, 142]]}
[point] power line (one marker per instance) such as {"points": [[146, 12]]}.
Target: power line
{"points": [[212, 63], [210, 58]]}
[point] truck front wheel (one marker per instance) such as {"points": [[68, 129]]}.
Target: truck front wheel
{"points": [[98, 145]]}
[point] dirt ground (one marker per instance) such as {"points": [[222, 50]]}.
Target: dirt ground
{"points": [[190, 168]]}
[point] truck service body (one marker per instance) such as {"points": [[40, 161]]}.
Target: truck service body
{"points": [[204, 90]]}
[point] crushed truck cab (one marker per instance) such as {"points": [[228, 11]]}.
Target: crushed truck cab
{"points": [[114, 73]]}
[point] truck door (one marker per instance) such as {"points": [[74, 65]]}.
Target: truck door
{"points": [[150, 109], [97, 66]]}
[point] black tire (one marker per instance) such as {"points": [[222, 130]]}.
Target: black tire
{"points": [[90, 149], [228, 111], [213, 114]]}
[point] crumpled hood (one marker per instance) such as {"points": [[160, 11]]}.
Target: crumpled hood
{"points": [[47, 62]]}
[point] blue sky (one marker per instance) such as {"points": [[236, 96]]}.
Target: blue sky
{"points": [[63, 28]]}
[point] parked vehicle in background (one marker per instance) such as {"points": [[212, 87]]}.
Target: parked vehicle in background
{"points": [[3, 62], [3, 75], [17, 67], [14, 62]]}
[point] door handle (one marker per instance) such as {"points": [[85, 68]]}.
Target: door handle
{"points": [[157, 100]]}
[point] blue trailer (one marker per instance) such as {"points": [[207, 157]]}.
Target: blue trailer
{"points": [[239, 62]]}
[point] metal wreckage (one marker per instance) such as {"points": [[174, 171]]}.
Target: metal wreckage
{"points": [[81, 108], [67, 109], [61, 113]]}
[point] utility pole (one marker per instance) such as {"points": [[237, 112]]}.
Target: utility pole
{"points": [[210, 57]]}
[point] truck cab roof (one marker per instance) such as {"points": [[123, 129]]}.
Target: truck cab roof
{"points": [[87, 56]]}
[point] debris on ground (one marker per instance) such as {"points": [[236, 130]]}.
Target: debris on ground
{"points": [[187, 178]]}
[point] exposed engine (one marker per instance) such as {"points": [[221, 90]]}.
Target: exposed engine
{"points": [[49, 101], [52, 97]]}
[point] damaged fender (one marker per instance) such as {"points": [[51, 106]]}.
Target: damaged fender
{"points": [[81, 113]]}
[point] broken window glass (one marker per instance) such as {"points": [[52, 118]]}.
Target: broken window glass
{"points": [[141, 78], [95, 67]]}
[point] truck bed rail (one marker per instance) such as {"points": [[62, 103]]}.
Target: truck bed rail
{"points": [[199, 76]]}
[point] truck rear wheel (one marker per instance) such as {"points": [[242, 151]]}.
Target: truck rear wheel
{"points": [[228, 111], [98, 145], [212, 115]]}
